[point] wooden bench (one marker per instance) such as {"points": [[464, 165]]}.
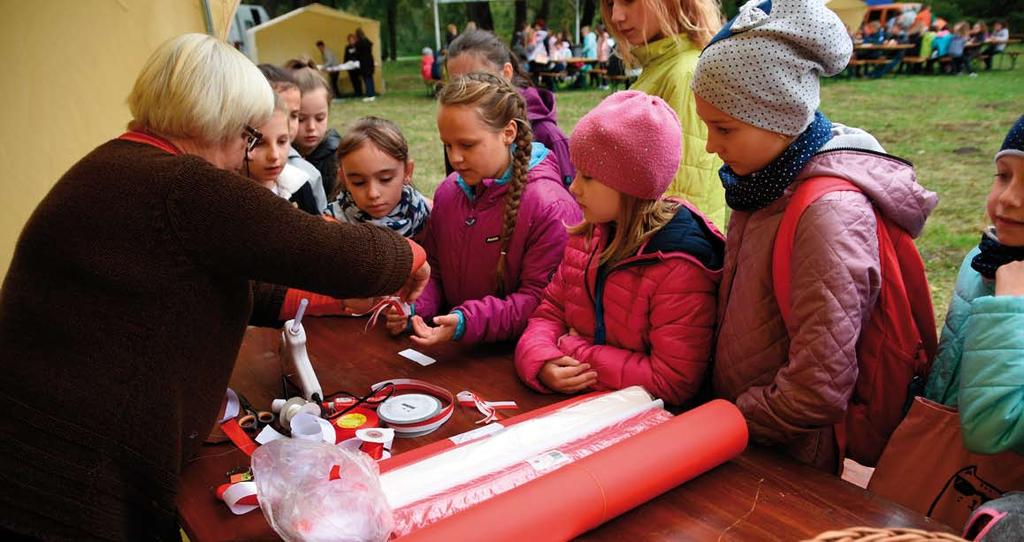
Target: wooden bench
{"points": [[1012, 55], [553, 78], [616, 80], [912, 61], [856, 62]]}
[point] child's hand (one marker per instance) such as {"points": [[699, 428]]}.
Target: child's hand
{"points": [[1010, 279], [442, 331], [395, 321], [567, 375]]}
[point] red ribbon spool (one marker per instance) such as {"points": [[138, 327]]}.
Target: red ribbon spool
{"points": [[346, 425]]}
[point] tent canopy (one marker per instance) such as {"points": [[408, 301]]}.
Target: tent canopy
{"points": [[70, 68], [851, 12], [295, 34]]}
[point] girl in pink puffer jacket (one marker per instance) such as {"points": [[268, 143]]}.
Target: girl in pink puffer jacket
{"points": [[634, 299]]}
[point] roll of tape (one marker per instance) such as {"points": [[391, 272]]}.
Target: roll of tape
{"points": [[346, 425], [376, 442], [417, 408]]}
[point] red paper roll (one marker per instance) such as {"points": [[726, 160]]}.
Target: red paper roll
{"points": [[582, 495]]}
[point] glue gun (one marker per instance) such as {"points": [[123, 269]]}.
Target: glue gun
{"points": [[295, 358]]}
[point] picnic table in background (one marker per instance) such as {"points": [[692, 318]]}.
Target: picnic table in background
{"points": [[760, 495]]}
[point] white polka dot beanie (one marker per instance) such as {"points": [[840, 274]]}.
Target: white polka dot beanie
{"points": [[631, 142], [763, 66]]}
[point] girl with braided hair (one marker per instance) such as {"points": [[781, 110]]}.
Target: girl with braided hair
{"points": [[498, 227]]}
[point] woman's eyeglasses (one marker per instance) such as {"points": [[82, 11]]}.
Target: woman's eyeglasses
{"points": [[252, 137]]}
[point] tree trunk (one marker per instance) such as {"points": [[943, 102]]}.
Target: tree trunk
{"points": [[480, 13], [520, 21], [392, 18], [589, 9], [545, 9]]}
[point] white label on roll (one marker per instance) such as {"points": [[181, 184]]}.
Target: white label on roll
{"points": [[479, 432], [548, 460]]}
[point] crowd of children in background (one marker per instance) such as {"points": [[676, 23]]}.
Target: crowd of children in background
{"points": [[602, 254], [935, 47]]}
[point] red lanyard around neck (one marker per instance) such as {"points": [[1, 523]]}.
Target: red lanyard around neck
{"points": [[150, 139]]}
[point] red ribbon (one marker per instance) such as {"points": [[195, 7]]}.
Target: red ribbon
{"points": [[487, 408]]}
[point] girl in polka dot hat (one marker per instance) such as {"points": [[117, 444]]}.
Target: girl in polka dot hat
{"points": [[634, 300], [758, 92]]}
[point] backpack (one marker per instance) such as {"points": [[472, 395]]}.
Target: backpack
{"points": [[896, 344]]}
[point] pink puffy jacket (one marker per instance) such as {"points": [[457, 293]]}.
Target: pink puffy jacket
{"points": [[647, 320]]}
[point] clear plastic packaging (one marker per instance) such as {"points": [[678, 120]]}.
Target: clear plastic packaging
{"points": [[437, 507], [440, 485], [314, 491]]}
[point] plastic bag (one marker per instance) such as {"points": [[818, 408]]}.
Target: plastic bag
{"points": [[314, 491]]}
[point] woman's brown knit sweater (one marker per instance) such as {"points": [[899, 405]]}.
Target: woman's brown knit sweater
{"points": [[120, 320]]}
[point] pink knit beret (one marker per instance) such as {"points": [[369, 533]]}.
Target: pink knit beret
{"points": [[631, 142]]}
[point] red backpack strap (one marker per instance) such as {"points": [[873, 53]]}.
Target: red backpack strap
{"points": [[805, 194]]}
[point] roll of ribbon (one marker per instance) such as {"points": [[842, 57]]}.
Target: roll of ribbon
{"points": [[306, 426], [416, 408], [352, 421], [375, 442], [240, 497]]}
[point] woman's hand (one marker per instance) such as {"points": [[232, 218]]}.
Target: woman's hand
{"points": [[1010, 279], [442, 331], [415, 284], [395, 321], [567, 375]]}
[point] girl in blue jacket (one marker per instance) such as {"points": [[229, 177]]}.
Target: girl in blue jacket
{"points": [[980, 365]]}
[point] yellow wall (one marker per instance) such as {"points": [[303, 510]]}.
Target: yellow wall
{"points": [[68, 67], [296, 33]]}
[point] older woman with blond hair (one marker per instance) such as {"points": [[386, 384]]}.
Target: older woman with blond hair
{"points": [[130, 289]]}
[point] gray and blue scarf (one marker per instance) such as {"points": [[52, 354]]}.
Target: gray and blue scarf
{"points": [[407, 218], [762, 187]]}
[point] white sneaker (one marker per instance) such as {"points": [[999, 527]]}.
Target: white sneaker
{"points": [[370, 99]]}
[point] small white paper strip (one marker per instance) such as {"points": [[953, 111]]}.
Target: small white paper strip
{"points": [[268, 434], [418, 357]]}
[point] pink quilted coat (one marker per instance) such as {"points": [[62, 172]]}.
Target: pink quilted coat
{"points": [[792, 391], [648, 320]]}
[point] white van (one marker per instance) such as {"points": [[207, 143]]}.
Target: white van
{"points": [[245, 18]]}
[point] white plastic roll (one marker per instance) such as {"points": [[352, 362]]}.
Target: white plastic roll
{"points": [[433, 475]]}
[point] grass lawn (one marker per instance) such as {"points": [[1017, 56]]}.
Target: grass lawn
{"points": [[949, 127]]}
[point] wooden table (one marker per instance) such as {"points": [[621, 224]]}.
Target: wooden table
{"points": [[760, 495]]}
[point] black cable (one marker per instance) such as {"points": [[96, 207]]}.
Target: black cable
{"points": [[366, 399]]}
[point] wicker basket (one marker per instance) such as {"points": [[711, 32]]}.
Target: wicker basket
{"points": [[872, 534]]}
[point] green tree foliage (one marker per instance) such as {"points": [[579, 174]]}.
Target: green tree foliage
{"points": [[414, 28]]}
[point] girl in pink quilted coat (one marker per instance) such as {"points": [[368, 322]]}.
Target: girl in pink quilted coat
{"points": [[497, 230], [633, 301], [757, 90]]}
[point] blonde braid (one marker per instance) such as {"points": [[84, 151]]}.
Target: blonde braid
{"points": [[498, 103], [520, 168]]}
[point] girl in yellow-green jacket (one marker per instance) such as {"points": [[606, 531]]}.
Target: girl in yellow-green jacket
{"points": [[665, 37]]}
